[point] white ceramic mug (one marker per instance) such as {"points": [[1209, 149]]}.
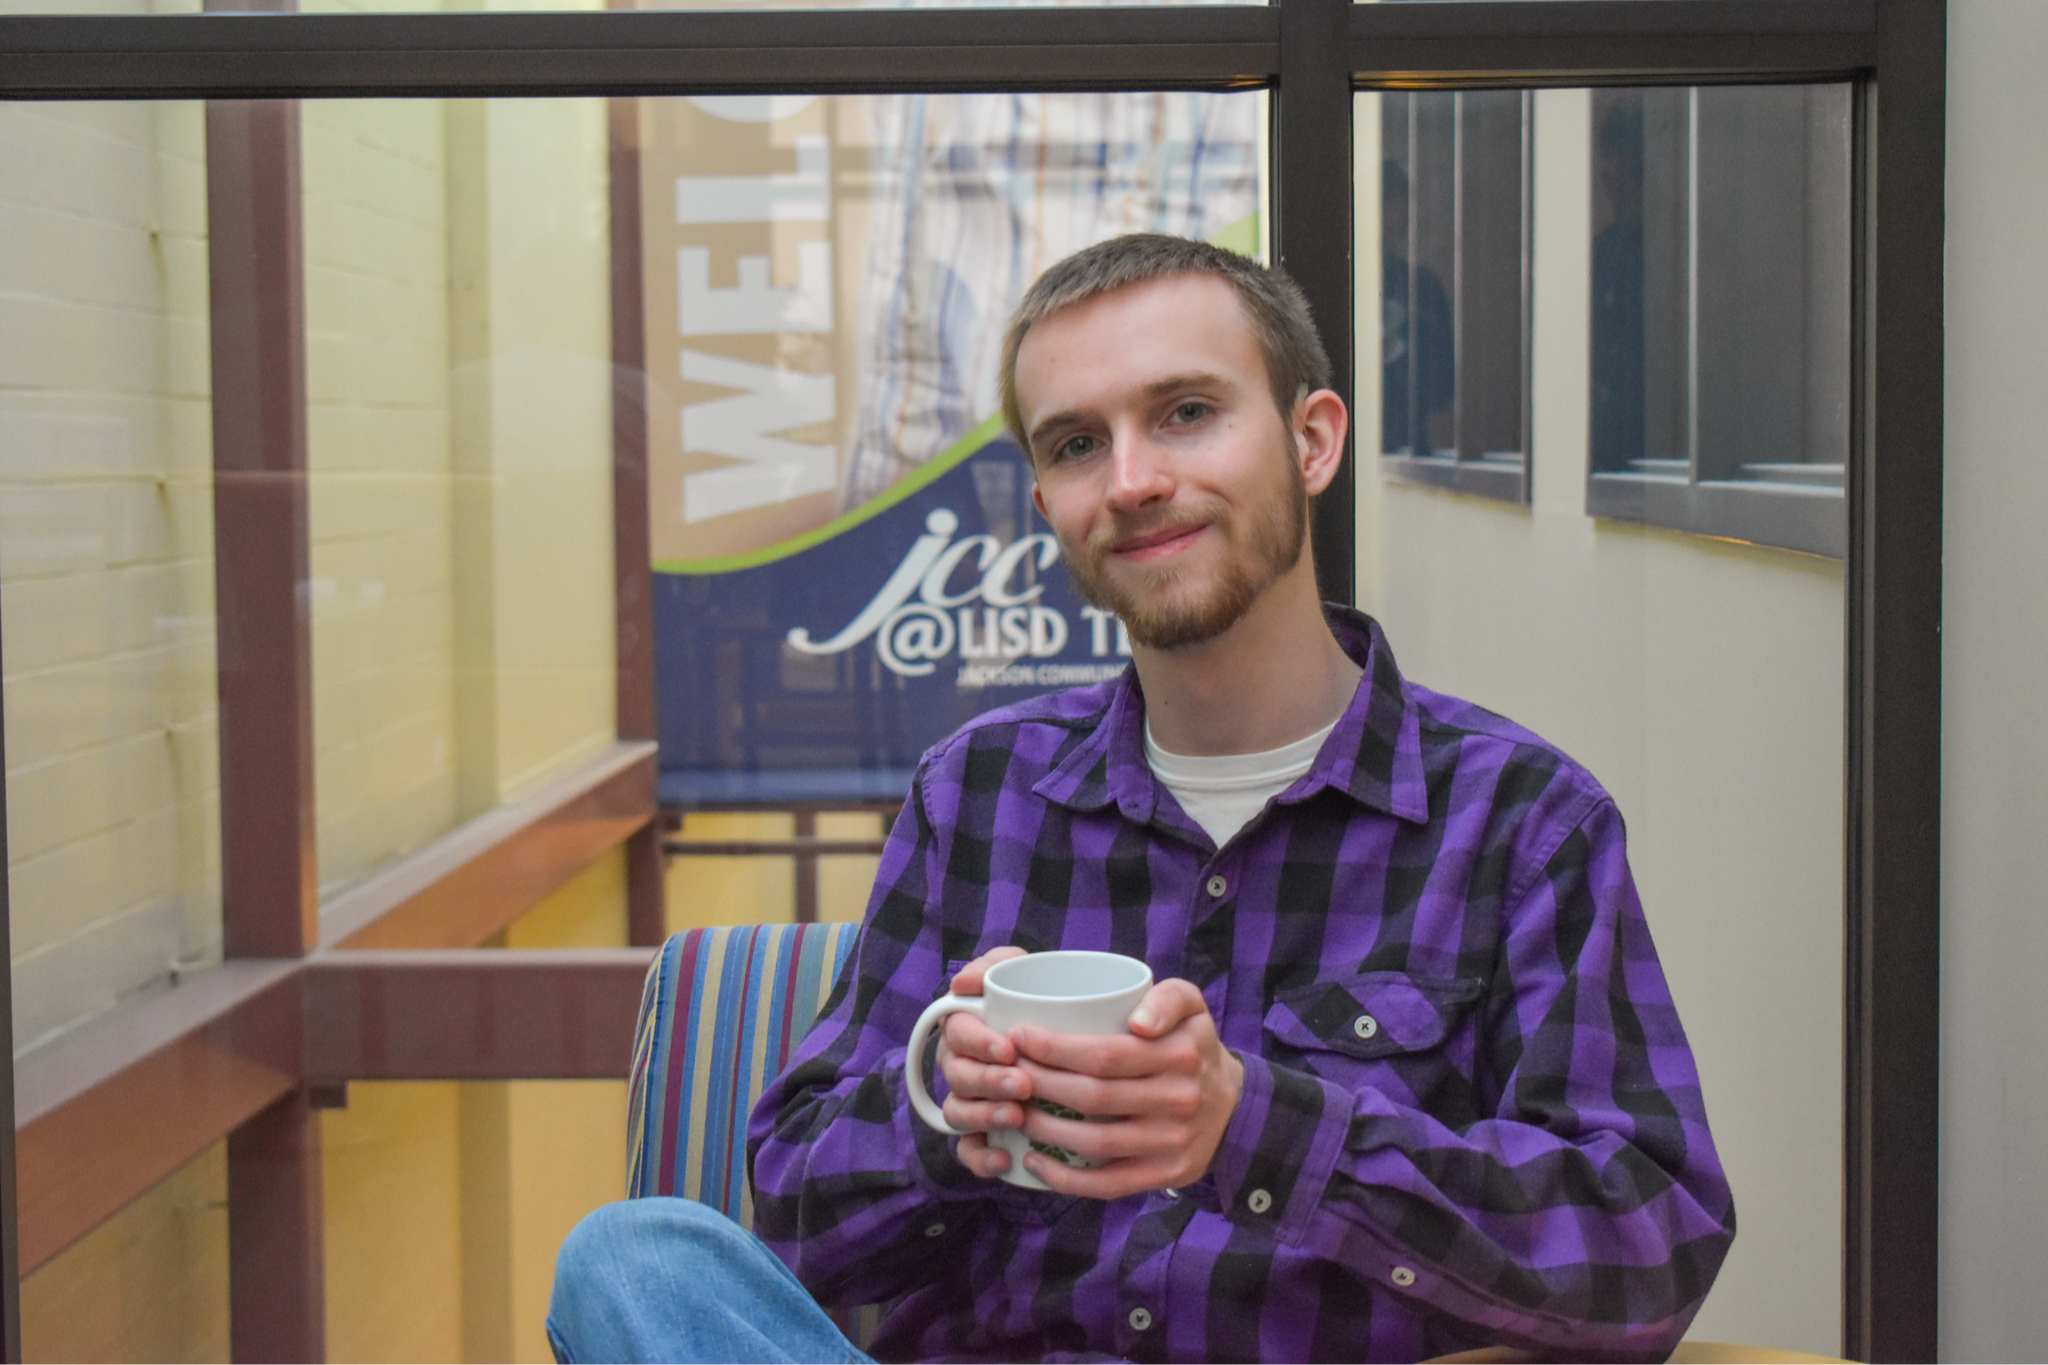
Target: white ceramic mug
{"points": [[1070, 990]]}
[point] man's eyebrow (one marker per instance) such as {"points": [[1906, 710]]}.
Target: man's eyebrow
{"points": [[1158, 388], [1049, 425], [1194, 379]]}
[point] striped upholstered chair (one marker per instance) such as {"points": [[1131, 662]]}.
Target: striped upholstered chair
{"points": [[721, 1012]]}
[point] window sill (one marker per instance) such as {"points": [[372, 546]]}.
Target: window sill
{"points": [[1503, 478], [1808, 517]]}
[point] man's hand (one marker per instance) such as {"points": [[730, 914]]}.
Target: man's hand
{"points": [[986, 1090], [1169, 1086]]}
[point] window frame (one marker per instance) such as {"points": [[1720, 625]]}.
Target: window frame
{"points": [[1479, 474], [1314, 54], [1749, 501]]}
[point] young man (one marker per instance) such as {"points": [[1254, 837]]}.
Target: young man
{"points": [[1410, 1081]]}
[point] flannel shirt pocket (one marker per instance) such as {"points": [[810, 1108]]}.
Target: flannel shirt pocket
{"points": [[1383, 1029]]}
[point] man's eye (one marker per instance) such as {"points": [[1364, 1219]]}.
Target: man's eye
{"points": [[1073, 448], [1190, 412]]}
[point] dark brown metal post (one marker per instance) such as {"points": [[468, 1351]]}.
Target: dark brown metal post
{"points": [[269, 877], [1311, 197], [276, 1277], [632, 571], [806, 861], [269, 898]]}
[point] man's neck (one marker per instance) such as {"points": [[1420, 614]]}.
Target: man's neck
{"points": [[1274, 677]]}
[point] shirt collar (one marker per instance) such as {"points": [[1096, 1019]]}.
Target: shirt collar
{"points": [[1374, 755]]}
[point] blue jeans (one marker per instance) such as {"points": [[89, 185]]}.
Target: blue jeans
{"points": [[675, 1280]]}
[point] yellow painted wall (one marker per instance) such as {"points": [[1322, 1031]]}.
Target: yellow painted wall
{"points": [[532, 385], [710, 891], [393, 1223], [149, 1284], [446, 1203], [845, 883], [106, 542], [566, 1140], [1701, 682]]}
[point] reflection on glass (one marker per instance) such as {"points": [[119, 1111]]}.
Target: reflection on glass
{"points": [[1720, 319], [1453, 269]]}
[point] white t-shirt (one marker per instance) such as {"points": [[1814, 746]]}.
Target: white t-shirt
{"points": [[1223, 792]]}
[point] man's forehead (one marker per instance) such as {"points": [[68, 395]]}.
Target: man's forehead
{"points": [[1207, 317], [1189, 289]]}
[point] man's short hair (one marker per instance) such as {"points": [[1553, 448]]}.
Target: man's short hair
{"points": [[1287, 338]]}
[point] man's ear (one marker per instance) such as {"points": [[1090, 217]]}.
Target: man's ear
{"points": [[1319, 426], [1038, 501]]}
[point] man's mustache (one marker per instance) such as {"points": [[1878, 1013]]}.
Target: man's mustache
{"points": [[1129, 530]]}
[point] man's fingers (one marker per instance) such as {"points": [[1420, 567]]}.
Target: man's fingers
{"points": [[981, 1116], [967, 981], [980, 1081], [1173, 1096], [977, 1154], [1111, 1181], [1113, 1058], [1165, 1006], [965, 1035]]}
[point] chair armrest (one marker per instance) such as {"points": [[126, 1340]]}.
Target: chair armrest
{"points": [[721, 1012]]}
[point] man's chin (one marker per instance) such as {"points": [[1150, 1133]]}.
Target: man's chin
{"points": [[1168, 627]]}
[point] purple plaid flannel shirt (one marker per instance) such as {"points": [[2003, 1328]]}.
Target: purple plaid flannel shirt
{"points": [[1469, 1111]]}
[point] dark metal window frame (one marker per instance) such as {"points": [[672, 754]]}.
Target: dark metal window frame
{"points": [[1313, 54], [1789, 516], [1686, 487]]}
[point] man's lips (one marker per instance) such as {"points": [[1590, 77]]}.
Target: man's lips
{"points": [[1157, 543]]}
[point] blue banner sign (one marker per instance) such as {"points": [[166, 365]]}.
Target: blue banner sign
{"points": [[822, 674]]}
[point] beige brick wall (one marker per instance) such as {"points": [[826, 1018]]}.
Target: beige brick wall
{"points": [[106, 573], [459, 365], [382, 556]]}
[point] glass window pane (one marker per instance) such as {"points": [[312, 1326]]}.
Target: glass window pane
{"points": [[1699, 680], [459, 374], [1720, 311], [849, 562], [1453, 211]]}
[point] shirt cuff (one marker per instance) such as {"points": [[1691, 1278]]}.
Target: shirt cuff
{"points": [[1274, 1165]]}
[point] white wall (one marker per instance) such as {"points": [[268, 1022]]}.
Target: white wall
{"points": [[1701, 681], [1994, 1054]]}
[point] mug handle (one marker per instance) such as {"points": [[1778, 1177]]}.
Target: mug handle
{"points": [[913, 1068]]}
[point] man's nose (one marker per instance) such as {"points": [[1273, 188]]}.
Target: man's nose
{"points": [[1138, 472]]}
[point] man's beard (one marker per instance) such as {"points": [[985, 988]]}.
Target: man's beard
{"points": [[1170, 613]]}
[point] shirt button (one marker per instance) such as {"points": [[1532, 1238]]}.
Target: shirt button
{"points": [[935, 1230], [1365, 1026], [1170, 1192], [1259, 1201], [1140, 1319], [1402, 1276], [1217, 886]]}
